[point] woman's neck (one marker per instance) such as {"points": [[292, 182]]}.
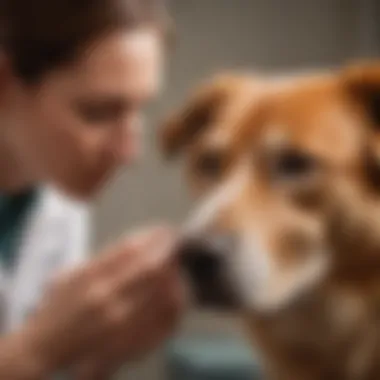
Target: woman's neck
{"points": [[13, 177]]}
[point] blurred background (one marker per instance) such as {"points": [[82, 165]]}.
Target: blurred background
{"points": [[213, 35]]}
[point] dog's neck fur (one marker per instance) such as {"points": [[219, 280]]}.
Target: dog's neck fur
{"points": [[333, 333]]}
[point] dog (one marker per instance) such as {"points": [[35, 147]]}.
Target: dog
{"points": [[285, 173]]}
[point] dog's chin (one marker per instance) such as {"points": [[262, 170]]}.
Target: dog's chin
{"points": [[216, 302]]}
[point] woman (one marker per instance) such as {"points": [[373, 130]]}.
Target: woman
{"points": [[74, 77]]}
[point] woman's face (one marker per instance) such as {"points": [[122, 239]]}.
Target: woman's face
{"points": [[83, 122]]}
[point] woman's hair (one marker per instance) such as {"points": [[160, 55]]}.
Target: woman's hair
{"points": [[41, 35]]}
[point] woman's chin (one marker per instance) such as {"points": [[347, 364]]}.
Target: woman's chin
{"points": [[82, 192]]}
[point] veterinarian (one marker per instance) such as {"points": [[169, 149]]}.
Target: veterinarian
{"points": [[74, 79]]}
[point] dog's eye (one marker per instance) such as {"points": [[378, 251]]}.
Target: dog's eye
{"points": [[292, 164], [209, 164]]}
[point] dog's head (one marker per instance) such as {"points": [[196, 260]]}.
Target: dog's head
{"points": [[287, 173]]}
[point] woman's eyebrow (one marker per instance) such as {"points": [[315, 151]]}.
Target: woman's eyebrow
{"points": [[114, 104], [114, 100]]}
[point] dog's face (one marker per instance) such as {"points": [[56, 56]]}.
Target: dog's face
{"points": [[285, 176]]}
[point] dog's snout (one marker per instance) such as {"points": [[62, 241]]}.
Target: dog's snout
{"points": [[204, 261], [201, 259]]}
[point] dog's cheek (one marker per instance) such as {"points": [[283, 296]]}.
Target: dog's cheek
{"points": [[296, 246], [310, 199]]}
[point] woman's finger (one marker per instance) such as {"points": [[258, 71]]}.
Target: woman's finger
{"points": [[151, 262], [128, 250]]}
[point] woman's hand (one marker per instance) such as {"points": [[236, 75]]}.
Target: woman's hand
{"points": [[114, 309], [150, 323]]}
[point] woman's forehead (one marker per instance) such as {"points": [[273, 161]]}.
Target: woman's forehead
{"points": [[124, 64]]}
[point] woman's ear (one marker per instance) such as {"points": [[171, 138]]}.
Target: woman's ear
{"points": [[199, 112]]}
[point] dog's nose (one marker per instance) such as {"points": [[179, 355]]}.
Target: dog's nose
{"points": [[203, 258], [204, 262], [200, 259]]}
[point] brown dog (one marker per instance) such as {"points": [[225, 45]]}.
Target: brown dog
{"points": [[288, 231]]}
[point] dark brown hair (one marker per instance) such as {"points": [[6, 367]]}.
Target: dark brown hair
{"points": [[41, 35]]}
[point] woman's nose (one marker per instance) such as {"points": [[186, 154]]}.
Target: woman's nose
{"points": [[128, 145]]}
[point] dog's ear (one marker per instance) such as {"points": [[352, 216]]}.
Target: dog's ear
{"points": [[363, 84], [201, 109]]}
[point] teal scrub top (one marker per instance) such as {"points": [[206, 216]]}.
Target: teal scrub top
{"points": [[13, 212]]}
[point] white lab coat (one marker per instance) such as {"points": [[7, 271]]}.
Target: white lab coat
{"points": [[55, 236]]}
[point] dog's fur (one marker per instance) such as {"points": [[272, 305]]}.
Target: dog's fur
{"points": [[291, 168]]}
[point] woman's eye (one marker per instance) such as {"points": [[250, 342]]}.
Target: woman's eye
{"points": [[210, 165], [97, 114], [293, 165], [100, 111]]}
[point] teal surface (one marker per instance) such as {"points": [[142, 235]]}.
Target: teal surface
{"points": [[13, 210], [211, 358]]}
